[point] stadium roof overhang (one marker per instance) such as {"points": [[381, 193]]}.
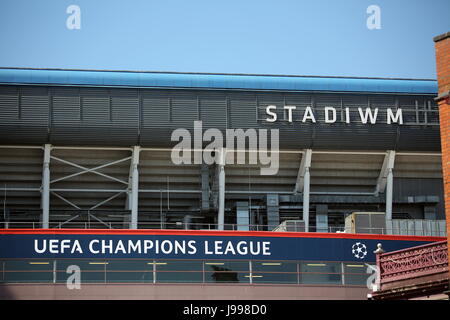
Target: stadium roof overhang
{"points": [[103, 78]]}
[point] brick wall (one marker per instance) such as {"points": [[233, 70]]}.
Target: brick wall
{"points": [[442, 46]]}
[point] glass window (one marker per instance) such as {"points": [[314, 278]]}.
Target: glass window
{"points": [[84, 265], [186, 277], [91, 276], [274, 266], [227, 277], [28, 271], [31, 265], [274, 277], [28, 276], [320, 273], [227, 271], [222, 266], [355, 268], [356, 279], [91, 270], [135, 276], [129, 265], [355, 274], [178, 265]]}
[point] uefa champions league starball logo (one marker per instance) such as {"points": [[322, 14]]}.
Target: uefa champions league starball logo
{"points": [[359, 250]]}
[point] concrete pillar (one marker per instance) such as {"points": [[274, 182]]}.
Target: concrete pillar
{"points": [[221, 215], [45, 196], [134, 188], [389, 191], [221, 218], [306, 182]]}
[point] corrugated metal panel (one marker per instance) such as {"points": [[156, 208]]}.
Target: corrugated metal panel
{"points": [[23, 114], [184, 109], [213, 110], [242, 112], [9, 104], [99, 116], [96, 107], [125, 107], [155, 109], [66, 107]]}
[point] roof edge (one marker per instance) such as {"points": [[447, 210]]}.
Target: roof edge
{"points": [[219, 73]]}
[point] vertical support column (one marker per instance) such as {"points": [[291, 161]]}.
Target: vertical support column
{"points": [[302, 184], [306, 182], [45, 192], [221, 215], [389, 191], [134, 187]]}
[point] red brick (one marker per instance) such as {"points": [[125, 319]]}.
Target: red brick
{"points": [[443, 74]]}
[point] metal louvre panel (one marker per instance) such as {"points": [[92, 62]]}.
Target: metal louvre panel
{"points": [[213, 110], [9, 104], [301, 101], [94, 116], [378, 137], [266, 99], [125, 107], [419, 138], [96, 107], [34, 106], [184, 109], [122, 117], [155, 109], [66, 107], [296, 134], [242, 112], [23, 114]]}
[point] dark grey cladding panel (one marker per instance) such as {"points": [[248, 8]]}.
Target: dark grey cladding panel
{"points": [[214, 109], [419, 138], [157, 137], [126, 116], [156, 109], [23, 114], [94, 116], [184, 109]]}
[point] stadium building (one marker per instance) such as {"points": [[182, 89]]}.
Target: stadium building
{"points": [[88, 179]]}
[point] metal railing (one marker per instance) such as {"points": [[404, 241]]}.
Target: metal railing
{"points": [[437, 232], [337, 273], [415, 262]]}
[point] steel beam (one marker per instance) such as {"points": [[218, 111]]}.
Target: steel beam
{"points": [[45, 196], [388, 163], [302, 184], [385, 182], [90, 170], [93, 170], [304, 163]]}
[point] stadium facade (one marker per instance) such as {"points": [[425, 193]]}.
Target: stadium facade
{"points": [[84, 150]]}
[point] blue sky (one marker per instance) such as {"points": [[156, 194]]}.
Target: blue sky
{"points": [[320, 37]]}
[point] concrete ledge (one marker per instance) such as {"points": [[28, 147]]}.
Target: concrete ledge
{"points": [[441, 37], [180, 292], [442, 96]]}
